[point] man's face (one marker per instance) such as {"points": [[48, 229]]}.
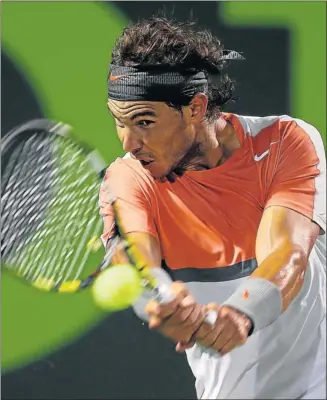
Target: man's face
{"points": [[154, 133]]}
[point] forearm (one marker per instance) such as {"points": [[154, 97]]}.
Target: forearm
{"points": [[284, 267], [266, 294], [141, 246]]}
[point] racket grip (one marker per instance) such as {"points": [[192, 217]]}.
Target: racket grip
{"points": [[211, 317], [164, 295]]}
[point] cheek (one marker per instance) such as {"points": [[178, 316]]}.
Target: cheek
{"points": [[169, 141], [181, 142]]}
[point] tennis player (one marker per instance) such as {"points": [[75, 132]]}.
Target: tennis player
{"points": [[231, 208]]}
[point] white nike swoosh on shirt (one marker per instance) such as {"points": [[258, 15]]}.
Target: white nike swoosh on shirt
{"points": [[263, 155]]}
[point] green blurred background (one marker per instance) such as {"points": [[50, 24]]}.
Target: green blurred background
{"points": [[55, 59]]}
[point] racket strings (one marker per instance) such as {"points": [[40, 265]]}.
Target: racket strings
{"points": [[83, 207], [9, 188], [8, 200], [53, 236], [66, 222], [34, 188], [15, 207], [56, 249]]}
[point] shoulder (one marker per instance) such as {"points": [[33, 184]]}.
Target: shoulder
{"points": [[282, 124], [279, 129], [128, 172]]}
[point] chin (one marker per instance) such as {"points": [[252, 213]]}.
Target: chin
{"points": [[159, 173]]}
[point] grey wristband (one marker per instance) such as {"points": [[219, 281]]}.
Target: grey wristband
{"points": [[258, 299]]}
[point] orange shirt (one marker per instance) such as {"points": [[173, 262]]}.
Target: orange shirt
{"points": [[208, 220]]}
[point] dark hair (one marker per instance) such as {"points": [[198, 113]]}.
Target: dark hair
{"points": [[159, 41]]}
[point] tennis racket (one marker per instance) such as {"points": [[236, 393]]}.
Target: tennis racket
{"points": [[49, 210], [50, 219]]}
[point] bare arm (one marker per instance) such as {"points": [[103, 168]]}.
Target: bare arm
{"points": [[284, 242], [147, 246]]}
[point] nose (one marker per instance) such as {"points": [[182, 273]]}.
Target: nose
{"points": [[131, 143]]}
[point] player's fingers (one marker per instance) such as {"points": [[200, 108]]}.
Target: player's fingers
{"points": [[162, 311], [187, 301], [179, 316], [185, 330], [225, 335], [225, 328], [208, 334], [231, 344], [154, 308], [187, 313], [235, 331], [181, 300], [183, 323], [154, 322], [237, 321], [194, 319], [206, 328], [182, 346], [179, 290], [212, 307]]}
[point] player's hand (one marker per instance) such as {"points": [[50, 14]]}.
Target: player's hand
{"points": [[230, 330], [178, 319]]}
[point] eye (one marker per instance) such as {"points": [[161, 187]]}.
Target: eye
{"points": [[144, 123]]}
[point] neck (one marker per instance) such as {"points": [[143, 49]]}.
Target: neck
{"points": [[213, 145]]}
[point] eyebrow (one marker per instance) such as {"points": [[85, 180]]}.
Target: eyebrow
{"points": [[137, 115], [143, 114]]}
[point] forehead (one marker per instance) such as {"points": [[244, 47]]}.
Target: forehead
{"points": [[129, 108]]}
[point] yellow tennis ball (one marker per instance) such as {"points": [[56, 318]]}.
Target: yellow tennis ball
{"points": [[117, 287]]}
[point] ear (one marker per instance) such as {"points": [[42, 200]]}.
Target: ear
{"points": [[198, 108]]}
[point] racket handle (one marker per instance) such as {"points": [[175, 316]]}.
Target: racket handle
{"points": [[164, 295], [211, 317]]}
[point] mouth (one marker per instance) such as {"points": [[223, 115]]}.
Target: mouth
{"points": [[144, 160]]}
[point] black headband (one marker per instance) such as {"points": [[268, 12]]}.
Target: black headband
{"points": [[158, 83], [154, 84]]}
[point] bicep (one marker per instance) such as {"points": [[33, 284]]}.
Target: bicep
{"points": [[284, 228]]}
